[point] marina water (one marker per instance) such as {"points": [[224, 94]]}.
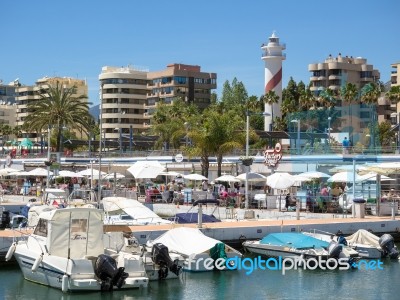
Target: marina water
{"points": [[261, 284]]}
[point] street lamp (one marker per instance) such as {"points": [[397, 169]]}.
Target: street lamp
{"points": [[120, 138], [48, 155], [329, 129], [298, 134], [248, 114], [100, 140]]}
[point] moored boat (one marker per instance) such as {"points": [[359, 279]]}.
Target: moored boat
{"points": [[66, 251]]}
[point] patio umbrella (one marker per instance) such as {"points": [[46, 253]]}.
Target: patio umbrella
{"points": [[227, 178], [7, 171], [27, 143], [384, 168], [371, 176], [348, 168], [252, 177], [66, 173], [146, 169], [344, 177], [39, 172], [314, 174], [280, 180], [195, 177], [112, 176], [90, 172]]}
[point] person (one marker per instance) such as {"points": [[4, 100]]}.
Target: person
{"points": [[204, 185], [287, 201], [324, 191], [171, 189], [341, 239], [346, 145]]}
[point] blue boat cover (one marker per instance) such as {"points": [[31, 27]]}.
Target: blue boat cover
{"points": [[293, 239], [184, 218]]}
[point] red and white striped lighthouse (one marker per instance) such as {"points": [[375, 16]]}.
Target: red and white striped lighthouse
{"points": [[273, 56]]}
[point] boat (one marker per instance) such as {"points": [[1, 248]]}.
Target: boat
{"points": [[371, 246], [367, 244], [193, 217], [159, 262], [199, 252], [288, 244], [124, 211], [66, 251]]}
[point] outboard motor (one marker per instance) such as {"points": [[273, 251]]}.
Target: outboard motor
{"points": [[160, 256], [386, 242], [106, 270], [334, 249]]}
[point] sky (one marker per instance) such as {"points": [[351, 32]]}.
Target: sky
{"points": [[77, 38]]}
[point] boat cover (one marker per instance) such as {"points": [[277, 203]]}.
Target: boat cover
{"points": [[293, 239], [186, 241], [365, 237], [140, 213], [72, 232], [185, 218]]}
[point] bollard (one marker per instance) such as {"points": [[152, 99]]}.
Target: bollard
{"points": [[297, 210]]}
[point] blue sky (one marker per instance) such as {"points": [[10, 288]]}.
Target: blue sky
{"points": [[76, 38]]}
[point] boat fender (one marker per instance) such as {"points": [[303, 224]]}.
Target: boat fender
{"points": [[11, 251], [37, 262], [64, 283]]}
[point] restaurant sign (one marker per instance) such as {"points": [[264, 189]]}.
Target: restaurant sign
{"points": [[273, 156]]}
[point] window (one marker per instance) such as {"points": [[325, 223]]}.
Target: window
{"points": [[41, 228]]}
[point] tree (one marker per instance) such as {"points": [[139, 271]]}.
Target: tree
{"points": [[57, 108], [394, 94], [271, 98], [370, 93]]}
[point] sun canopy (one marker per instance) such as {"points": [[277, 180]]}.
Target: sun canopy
{"points": [[281, 180], [186, 241], [146, 169]]}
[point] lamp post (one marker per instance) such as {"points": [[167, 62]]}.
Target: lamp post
{"points": [[298, 134], [248, 113], [48, 155], [101, 140], [329, 130]]}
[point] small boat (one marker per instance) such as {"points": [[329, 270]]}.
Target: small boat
{"points": [[199, 252], [67, 251], [367, 244], [193, 217], [288, 244], [159, 263], [371, 246], [124, 211]]}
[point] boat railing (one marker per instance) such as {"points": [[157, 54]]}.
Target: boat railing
{"points": [[320, 231]]}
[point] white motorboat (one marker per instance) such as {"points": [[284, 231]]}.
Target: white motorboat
{"points": [[288, 244], [199, 252], [124, 211], [367, 244], [66, 251], [371, 246], [159, 263]]}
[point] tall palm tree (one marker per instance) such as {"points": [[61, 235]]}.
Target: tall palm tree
{"points": [[349, 94], [370, 93], [306, 99], [57, 108], [271, 98], [394, 94]]}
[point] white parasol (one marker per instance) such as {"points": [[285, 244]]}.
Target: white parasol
{"points": [[146, 169], [280, 180]]}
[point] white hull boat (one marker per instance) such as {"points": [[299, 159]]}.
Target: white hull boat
{"points": [[66, 251], [199, 252]]}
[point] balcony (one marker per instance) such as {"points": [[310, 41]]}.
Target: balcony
{"points": [[333, 77]]}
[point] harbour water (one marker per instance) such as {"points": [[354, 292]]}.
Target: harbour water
{"points": [[261, 284]]}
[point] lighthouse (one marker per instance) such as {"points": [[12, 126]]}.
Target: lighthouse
{"points": [[272, 56]]}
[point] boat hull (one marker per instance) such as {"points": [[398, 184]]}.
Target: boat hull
{"points": [[80, 274]]}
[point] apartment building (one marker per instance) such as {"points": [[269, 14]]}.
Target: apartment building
{"points": [[27, 94], [124, 91], [187, 82], [335, 72], [8, 108]]}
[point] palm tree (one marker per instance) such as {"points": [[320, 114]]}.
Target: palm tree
{"points": [[271, 98], [394, 94], [306, 99], [349, 94], [57, 108], [370, 93]]}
